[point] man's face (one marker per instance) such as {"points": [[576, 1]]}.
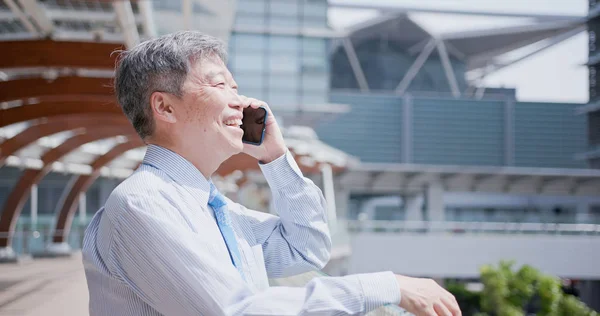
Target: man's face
{"points": [[212, 108]]}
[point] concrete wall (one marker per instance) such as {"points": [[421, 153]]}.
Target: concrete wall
{"points": [[460, 256]]}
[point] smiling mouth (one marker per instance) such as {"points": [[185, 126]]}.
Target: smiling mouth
{"points": [[234, 123]]}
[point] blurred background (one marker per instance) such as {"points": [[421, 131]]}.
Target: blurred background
{"points": [[455, 140]]}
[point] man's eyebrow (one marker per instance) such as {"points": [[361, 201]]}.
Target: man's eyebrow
{"points": [[211, 75]]}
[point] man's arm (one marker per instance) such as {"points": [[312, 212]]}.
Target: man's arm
{"points": [[174, 271], [298, 239]]}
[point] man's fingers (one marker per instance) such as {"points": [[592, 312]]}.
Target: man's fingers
{"points": [[429, 312], [441, 309], [452, 306]]}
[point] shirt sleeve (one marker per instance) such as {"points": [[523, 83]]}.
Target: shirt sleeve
{"points": [[298, 239], [171, 268]]}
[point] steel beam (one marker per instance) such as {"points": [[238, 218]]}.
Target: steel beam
{"points": [[355, 64], [448, 68], [415, 67]]}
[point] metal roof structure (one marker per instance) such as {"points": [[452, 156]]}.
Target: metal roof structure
{"points": [[483, 51], [377, 178]]}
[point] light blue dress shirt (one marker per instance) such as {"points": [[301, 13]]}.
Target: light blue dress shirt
{"points": [[155, 249]]}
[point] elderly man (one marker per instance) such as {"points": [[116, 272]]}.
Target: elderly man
{"points": [[168, 243]]}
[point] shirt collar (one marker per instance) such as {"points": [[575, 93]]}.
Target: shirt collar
{"points": [[180, 170]]}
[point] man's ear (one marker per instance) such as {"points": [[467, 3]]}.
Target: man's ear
{"points": [[162, 107]]}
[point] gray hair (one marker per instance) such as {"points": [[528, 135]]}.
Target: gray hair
{"points": [[159, 64]]}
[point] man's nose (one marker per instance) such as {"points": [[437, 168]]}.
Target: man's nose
{"points": [[236, 102]]}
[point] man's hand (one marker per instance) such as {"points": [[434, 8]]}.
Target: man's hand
{"points": [[424, 297], [273, 145]]}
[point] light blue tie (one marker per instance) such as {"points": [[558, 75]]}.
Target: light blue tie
{"points": [[217, 202]]}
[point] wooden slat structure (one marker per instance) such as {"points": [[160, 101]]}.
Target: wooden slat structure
{"points": [[49, 53], [17, 198], [64, 101]]}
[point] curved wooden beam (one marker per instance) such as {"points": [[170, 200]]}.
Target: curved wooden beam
{"points": [[49, 53], [82, 183], [245, 162], [49, 109], [67, 88], [55, 125], [16, 200]]}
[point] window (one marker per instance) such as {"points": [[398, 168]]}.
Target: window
{"points": [[242, 42], [286, 82], [251, 6], [249, 80], [284, 8], [315, 8], [279, 44], [285, 22], [287, 62], [314, 63], [253, 93], [167, 5], [252, 19], [314, 46], [312, 22], [281, 97], [243, 62], [315, 81], [314, 97]]}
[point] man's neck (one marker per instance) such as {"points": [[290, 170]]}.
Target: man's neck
{"points": [[204, 160]]}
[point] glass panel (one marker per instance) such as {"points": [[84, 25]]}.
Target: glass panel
{"points": [[315, 81], [287, 8], [243, 19], [168, 5], [287, 62], [312, 22], [314, 46], [287, 82], [285, 22], [278, 43], [315, 8], [248, 42], [312, 97], [252, 93], [250, 80], [314, 63], [282, 97], [251, 6], [241, 62]]}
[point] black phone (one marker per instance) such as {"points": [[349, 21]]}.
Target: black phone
{"points": [[254, 124]]}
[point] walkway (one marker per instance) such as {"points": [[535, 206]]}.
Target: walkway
{"points": [[44, 287]]}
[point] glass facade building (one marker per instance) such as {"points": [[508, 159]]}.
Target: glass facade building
{"points": [[273, 58]]}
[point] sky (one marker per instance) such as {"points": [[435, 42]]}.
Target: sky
{"points": [[556, 74]]}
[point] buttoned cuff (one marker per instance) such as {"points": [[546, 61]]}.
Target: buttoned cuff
{"points": [[379, 289], [281, 171]]}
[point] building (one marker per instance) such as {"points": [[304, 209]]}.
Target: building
{"points": [[592, 110]]}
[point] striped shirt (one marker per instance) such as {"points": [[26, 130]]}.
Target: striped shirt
{"points": [[155, 249]]}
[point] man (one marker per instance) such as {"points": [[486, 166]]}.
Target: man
{"points": [[167, 242]]}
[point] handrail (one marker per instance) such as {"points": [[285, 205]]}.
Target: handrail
{"points": [[472, 227]]}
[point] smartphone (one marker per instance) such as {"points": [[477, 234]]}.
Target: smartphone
{"points": [[254, 124]]}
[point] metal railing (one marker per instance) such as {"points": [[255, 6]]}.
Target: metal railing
{"points": [[449, 227]]}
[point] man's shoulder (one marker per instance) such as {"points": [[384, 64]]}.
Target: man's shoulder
{"points": [[145, 184]]}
